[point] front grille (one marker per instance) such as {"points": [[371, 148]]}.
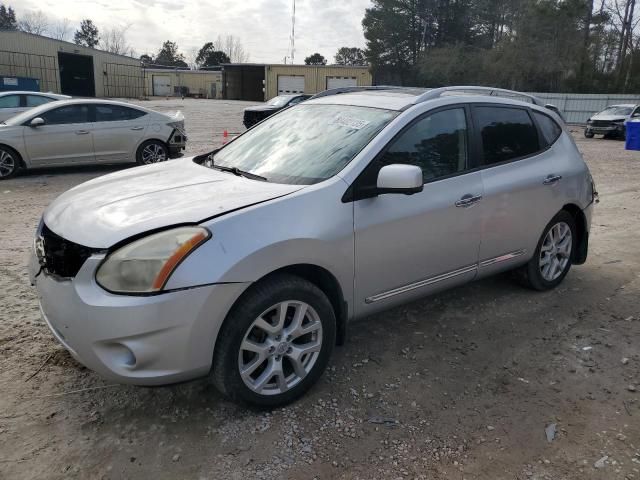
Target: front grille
{"points": [[601, 123], [62, 257]]}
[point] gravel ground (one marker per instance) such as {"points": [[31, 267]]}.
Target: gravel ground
{"points": [[463, 385]]}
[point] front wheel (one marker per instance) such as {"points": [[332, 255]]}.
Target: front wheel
{"points": [[588, 134], [152, 151], [554, 254], [275, 343]]}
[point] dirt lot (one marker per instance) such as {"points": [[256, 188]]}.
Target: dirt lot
{"points": [[458, 386]]}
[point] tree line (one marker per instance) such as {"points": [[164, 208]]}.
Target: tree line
{"points": [[529, 45]]}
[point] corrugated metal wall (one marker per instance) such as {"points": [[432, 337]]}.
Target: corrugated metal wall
{"points": [[24, 54], [205, 84], [315, 76], [578, 107]]}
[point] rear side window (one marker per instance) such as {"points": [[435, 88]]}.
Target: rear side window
{"points": [[507, 133], [66, 115], [10, 101], [548, 127], [115, 113], [35, 100]]}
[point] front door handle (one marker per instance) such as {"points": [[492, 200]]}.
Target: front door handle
{"points": [[552, 179], [468, 200], [137, 128], [82, 132]]}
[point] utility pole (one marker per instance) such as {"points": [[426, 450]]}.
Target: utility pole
{"points": [[293, 32]]}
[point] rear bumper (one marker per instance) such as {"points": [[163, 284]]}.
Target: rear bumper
{"points": [[142, 340]]}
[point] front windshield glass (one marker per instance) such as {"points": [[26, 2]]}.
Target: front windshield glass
{"points": [[306, 144], [617, 111], [278, 101]]}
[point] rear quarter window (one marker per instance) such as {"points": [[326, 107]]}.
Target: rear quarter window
{"points": [[549, 129]]}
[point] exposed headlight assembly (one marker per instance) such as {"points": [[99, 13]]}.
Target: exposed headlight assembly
{"points": [[145, 265]]}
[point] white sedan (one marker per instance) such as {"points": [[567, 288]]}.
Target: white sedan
{"points": [[13, 103], [74, 132]]}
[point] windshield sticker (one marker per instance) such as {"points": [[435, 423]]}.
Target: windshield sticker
{"points": [[350, 122]]}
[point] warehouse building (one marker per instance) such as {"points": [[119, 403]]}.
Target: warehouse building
{"points": [[64, 67], [260, 82], [162, 82], [61, 67]]}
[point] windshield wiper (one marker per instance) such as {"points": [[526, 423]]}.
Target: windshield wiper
{"points": [[238, 172]]}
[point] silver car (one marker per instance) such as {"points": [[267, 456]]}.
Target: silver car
{"points": [[76, 132], [611, 121], [14, 102], [250, 263]]}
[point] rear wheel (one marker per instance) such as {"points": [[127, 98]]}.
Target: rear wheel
{"points": [[554, 254], [152, 151], [275, 343], [9, 162]]}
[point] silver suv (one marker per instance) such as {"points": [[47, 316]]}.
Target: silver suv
{"points": [[248, 264]]}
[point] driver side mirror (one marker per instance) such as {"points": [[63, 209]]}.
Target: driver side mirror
{"points": [[399, 178], [36, 122]]}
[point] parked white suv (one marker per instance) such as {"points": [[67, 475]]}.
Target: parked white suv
{"points": [[249, 263]]}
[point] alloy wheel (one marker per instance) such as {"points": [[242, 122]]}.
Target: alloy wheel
{"points": [[153, 153], [7, 163], [555, 253], [280, 348]]}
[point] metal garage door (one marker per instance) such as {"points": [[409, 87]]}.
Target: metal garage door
{"points": [[288, 84], [161, 85], [337, 82]]}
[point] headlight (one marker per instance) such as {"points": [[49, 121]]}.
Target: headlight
{"points": [[145, 265]]}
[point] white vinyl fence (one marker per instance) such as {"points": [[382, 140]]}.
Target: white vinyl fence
{"points": [[578, 107]]}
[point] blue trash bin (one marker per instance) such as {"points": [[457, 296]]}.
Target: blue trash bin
{"points": [[632, 134]]}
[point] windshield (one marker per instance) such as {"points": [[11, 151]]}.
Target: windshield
{"points": [[278, 101], [306, 144], [617, 111]]}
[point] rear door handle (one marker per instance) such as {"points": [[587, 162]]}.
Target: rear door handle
{"points": [[82, 132], [137, 128], [552, 179], [468, 200]]}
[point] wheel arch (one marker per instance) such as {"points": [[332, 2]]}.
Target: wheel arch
{"points": [[145, 140], [20, 159], [580, 254], [325, 281]]}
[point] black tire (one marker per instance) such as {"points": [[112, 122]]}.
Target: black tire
{"points": [[162, 154], [530, 274], [258, 299], [588, 134], [10, 162]]}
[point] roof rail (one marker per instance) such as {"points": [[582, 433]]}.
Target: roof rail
{"points": [[339, 90], [491, 91]]}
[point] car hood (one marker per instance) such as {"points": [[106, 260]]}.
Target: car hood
{"points": [[262, 108], [609, 118], [112, 208]]}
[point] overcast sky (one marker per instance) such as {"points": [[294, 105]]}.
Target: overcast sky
{"points": [[263, 26]]}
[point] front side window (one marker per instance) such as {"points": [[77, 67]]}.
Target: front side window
{"points": [[67, 114], [548, 127], [436, 143], [36, 100], [115, 113], [306, 144], [10, 101], [507, 133]]}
